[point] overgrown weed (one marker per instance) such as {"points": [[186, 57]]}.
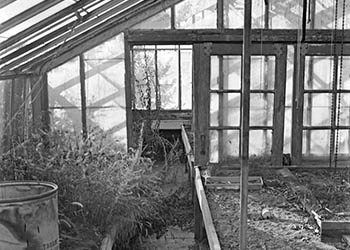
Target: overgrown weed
{"points": [[99, 186]]}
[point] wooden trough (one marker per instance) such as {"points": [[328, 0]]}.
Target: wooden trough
{"points": [[232, 182]]}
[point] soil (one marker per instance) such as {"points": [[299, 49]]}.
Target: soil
{"points": [[277, 218]]}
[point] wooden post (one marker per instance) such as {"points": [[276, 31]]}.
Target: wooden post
{"points": [[128, 95], [83, 95], [279, 104], [201, 81], [245, 122]]}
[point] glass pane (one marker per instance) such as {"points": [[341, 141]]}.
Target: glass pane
{"points": [[64, 85], [324, 18], [344, 118], [263, 72], [144, 77], [289, 99], [231, 144], [321, 70], [344, 142], [232, 72], [66, 119], [168, 78], [225, 109], [287, 131], [317, 109], [186, 78], [316, 142], [234, 14], [195, 14], [158, 21], [214, 146], [261, 109], [286, 14], [261, 144], [345, 75], [231, 67], [214, 72]]}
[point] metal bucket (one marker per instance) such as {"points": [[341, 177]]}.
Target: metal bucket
{"points": [[28, 216]]}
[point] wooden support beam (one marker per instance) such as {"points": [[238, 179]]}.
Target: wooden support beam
{"points": [[245, 108], [27, 14], [45, 113]]}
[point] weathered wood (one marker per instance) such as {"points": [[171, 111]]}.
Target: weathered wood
{"points": [[332, 231], [201, 82], [45, 113], [234, 179], [36, 96], [206, 215], [14, 76], [279, 105], [245, 110]]}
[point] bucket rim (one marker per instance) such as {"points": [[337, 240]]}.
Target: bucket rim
{"points": [[45, 194]]}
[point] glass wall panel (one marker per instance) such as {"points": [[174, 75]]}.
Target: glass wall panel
{"points": [[158, 21], [318, 143], [344, 116], [168, 78], [289, 100], [262, 142], [64, 96], [231, 67], [186, 77], [231, 144], [263, 72], [324, 18], [321, 70], [345, 76], [162, 77], [261, 109], [319, 110], [229, 115], [195, 14], [214, 146]]}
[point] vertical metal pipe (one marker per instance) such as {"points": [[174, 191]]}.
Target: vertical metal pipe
{"points": [[245, 122], [83, 95]]}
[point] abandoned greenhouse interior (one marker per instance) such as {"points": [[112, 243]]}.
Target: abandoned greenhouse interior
{"points": [[174, 124]]}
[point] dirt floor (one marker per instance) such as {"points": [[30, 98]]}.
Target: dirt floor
{"points": [[286, 225]]}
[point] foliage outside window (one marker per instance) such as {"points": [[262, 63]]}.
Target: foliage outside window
{"points": [[162, 77]]}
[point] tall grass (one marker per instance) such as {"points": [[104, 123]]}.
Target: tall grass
{"points": [[99, 185]]}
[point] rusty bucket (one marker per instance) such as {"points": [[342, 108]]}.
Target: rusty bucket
{"points": [[28, 216]]}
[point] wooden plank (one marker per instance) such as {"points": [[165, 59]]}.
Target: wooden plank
{"points": [[245, 109], [332, 231], [36, 89], [201, 81], [279, 105], [206, 215], [45, 113], [27, 14]]}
